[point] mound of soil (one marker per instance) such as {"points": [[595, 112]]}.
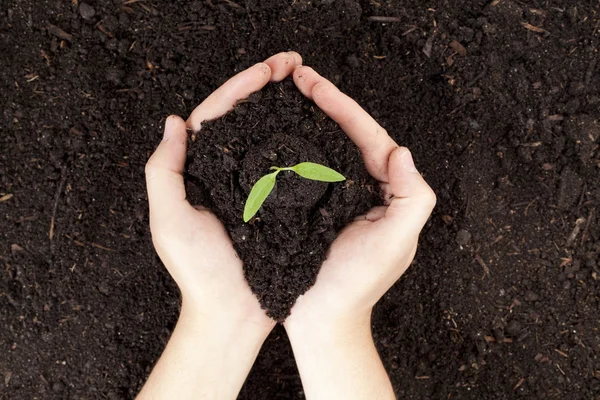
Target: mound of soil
{"points": [[284, 246]]}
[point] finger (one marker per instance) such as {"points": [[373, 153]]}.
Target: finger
{"points": [[413, 198], [283, 64], [225, 98], [305, 79], [372, 140], [164, 179]]}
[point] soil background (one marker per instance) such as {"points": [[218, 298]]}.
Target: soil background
{"points": [[498, 100]]}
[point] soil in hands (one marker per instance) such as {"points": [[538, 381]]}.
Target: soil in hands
{"points": [[284, 246]]}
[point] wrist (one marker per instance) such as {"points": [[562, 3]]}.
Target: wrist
{"points": [[222, 325], [333, 319], [315, 329]]}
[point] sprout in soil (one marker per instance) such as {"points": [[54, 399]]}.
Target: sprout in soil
{"points": [[263, 187]]}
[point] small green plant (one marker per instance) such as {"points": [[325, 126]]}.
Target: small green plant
{"points": [[263, 187]]}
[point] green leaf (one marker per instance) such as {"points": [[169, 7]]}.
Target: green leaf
{"points": [[259, 193], [317, 172]]}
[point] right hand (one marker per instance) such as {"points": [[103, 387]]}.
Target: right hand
{"points": [[191, 242], [371, 254]]}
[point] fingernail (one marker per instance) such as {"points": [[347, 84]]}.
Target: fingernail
{"points": [[407, 162], [168, 128]]}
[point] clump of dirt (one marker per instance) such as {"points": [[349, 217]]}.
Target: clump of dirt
{"points": [[284, 246]]}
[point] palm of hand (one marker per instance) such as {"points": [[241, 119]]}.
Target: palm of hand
{"points": [[358, 270], [200, 257]]}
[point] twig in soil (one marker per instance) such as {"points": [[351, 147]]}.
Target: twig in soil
{"points": [[463, 105], [565, 261], [376, 18], [561, 353], [249, 15], [575, 232], [518, 385], [590, 71], [7, 377], [414, 28], [56, 31], [102, 29], [56, 198], [531, 144], [529, 205], [474, 80], [587, 227], [486, 270], [6, 197], [99, 246], [532, 28], [233, 4], [429, 44]]}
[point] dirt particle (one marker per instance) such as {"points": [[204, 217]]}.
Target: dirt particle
{"points": [[459, 48], [463, 237], [531, 296], [569, 189], [104, 288], [352, 61], [513, 327], [86, 11]]}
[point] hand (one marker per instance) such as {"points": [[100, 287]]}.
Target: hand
{"points": [[371, 254], [220, 317], [191, 242], [329, 326]]}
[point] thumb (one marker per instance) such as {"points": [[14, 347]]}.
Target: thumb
{"points": [[413, 198], [164, 179]]}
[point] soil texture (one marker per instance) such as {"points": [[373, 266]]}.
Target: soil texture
{"points": [[498, 100], [285, 245]]}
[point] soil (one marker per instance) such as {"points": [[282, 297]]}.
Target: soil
{"points": [[497, 100], [285, 245]]}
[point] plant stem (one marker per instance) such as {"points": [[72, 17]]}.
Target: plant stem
{"points": [[278, 169], [286, 169]]}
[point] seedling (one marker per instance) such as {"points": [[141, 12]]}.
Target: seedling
{"points": [[264, 186]]}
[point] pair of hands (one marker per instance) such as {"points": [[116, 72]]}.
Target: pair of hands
{"points": [[364, 261]]}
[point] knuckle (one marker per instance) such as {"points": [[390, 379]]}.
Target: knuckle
{"points": [[296, 56], [381, 132], [150, 168], [377, 143], [288, 59], [322, 89], [429, 198], [264, 69], [321, 94]]}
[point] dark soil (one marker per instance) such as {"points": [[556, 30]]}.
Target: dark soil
{"points": [[498, 101], [284, 247]]}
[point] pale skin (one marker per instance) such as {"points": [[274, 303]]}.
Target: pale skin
{"points": [[222, 327]]}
